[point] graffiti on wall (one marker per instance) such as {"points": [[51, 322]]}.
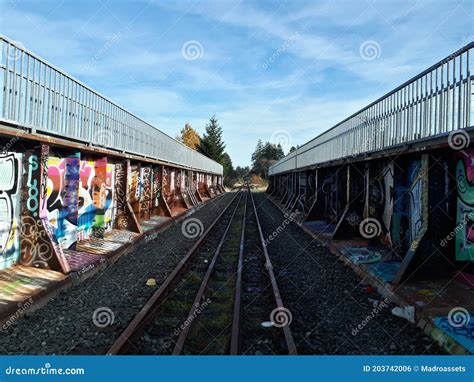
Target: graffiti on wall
{"points": [[379, 199], [179, 181], [59, 261], [463, 332], [93, 199], [110, 200], [145, 197], [61, 199], [121, 216], [34, 246], [9, 209], [156, 186], [388, 176], [408, 218], [135, 184], [172, 180], [415, 199], [165, 185], [465, 207]]}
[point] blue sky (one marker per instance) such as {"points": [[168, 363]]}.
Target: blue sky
{"points": [[275, 70]]}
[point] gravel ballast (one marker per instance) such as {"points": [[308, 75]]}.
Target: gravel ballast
{"points": [[332, 310]]}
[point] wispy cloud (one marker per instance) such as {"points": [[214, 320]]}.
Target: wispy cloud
{"points": [[132, 52]]}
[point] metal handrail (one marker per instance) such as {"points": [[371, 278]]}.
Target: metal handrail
{"points": [[433, 103], [39, 96]]}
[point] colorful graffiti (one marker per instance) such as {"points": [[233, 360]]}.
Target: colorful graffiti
{"points": [[50, 204], [34, 245], [62, 197], [93, 199], [465, 207], [110, 200], [121, 216], [10, 184], [55, 258], [463, 333]]}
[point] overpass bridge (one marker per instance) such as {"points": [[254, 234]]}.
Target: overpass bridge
{"points": [[389, 190], [81, 175]]}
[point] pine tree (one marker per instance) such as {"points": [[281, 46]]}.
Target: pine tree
{"points": [[189, 136], [264, 156], [211, 144]]}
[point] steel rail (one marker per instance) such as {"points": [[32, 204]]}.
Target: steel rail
{"points": [[290, 343], [235, 342], [178, 348], [147, 313]]}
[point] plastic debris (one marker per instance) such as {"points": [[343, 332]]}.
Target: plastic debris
{"points": [[151, 282], [408, 313], [369, 289], [266, 324]]}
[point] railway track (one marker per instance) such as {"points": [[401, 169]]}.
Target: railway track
{"points": [[220, 299]]}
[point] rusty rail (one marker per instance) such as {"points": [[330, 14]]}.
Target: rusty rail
{"points": [[235, 343], [149, 310], [202, 289], [290, 343]]}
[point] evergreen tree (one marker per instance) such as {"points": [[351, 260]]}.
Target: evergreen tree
{"points": [[228, 168], [211, 144], [264, 156], [242, 173]]}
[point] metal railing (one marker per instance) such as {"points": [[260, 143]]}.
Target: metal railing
{"points": [[38, 96], [432, 104]]}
